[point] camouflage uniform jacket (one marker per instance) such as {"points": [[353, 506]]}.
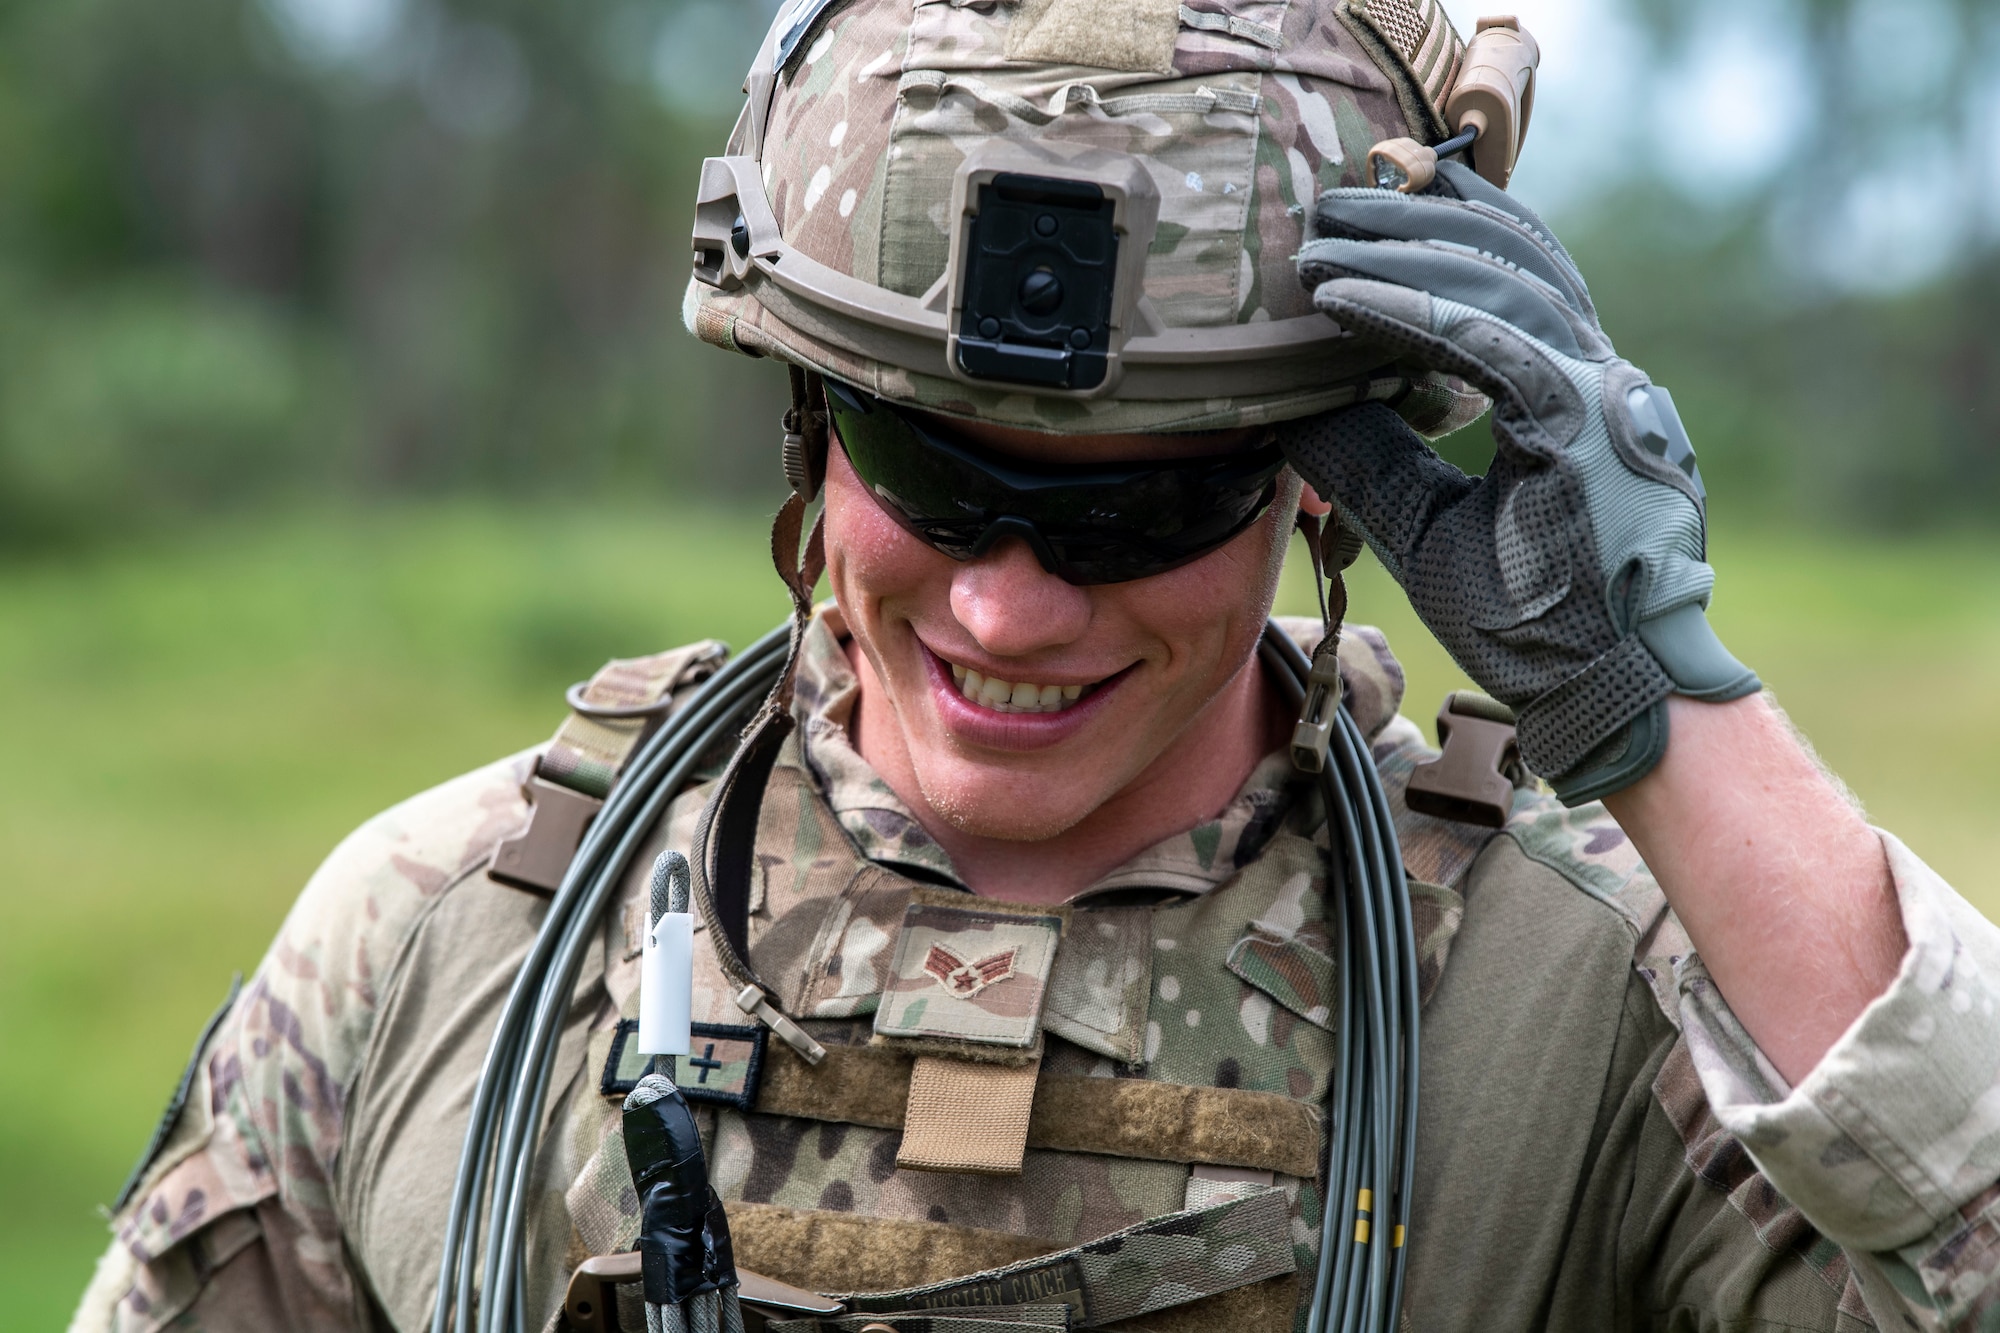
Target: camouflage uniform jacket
{"points": [[1601, 1144]]}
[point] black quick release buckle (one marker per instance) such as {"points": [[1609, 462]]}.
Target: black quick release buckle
{"points": [[1314, 732]]}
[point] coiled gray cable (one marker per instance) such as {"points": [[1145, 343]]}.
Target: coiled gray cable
{"points": [[1371, 1103], [493, 1166]]}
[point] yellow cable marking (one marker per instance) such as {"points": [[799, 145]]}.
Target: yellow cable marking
{"points": [[1366, 1201], [1397, 1242], [1361, 1231]]}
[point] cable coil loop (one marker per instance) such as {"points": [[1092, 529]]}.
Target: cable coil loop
{"points": [[1372, 1103]]}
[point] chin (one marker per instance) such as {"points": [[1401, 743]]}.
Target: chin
{"points": [[1012, 810]]}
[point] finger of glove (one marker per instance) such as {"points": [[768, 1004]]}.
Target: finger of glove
{"points": [[1385, 215], [1462, 182], [1490, 565], [1380, 474], [1447, 274], [1537, 410]]}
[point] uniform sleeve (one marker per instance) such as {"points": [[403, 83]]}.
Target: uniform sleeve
{"points": [[209, 1241], [240, 1214], [1891, 1145]]}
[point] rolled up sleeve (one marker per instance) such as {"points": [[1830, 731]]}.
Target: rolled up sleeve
{"points": [[1891, 1145]]}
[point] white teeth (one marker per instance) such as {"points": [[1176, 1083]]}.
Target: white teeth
{"points": [[1006, 696]]}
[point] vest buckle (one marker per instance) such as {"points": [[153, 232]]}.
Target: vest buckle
{"points": [[538, 856], [1473, 781]]}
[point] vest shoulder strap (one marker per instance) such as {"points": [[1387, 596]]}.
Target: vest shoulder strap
{"points": [[610, 715]]}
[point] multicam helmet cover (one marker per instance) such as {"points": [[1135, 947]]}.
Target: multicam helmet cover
{"points": [[826, 235]]}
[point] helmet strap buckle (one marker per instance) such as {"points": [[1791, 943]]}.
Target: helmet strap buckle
{"points": [[806, 435], [1326, 543]]}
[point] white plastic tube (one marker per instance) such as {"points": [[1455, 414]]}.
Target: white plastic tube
{"points": [[666, 987]]}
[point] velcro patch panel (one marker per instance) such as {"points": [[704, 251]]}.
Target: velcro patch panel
{"points": [[725, 1067], [1160, 1263], [1114, 1117], [970, 970]]}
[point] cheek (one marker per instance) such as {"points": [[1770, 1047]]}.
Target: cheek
{"points": [[868, 556], [1225, 595]]}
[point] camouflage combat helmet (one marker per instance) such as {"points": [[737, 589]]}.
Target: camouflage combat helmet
{"points": [[832, 234]]}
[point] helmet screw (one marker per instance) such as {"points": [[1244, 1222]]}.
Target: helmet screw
{"points": [[989, 327], [1041, 292], [1079, 338], [1046, 225], [739, 237]]}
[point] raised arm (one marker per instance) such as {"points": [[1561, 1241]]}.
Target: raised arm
{"points": [[1781, 884]]}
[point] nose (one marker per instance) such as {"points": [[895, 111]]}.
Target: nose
{"points": [[1013, 606]]}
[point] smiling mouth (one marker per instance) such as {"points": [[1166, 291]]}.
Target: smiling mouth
{"points": [[1009, 696]]}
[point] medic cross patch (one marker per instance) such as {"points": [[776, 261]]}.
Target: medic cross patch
{"points": [[969, 970], [725, 1066]]}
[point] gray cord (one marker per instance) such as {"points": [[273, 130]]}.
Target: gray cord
{"points": [[672, 886], [1378, 970], [1371, 1101], [1410, 1001], [671, 753]]}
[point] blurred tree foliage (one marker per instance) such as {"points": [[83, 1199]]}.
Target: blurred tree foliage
{"points": [[1872, 409], [247, 250], [1835, 328], [262, 248]]}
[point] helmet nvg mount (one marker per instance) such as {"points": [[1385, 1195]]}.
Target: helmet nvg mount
{"points": [[1080, 215]]}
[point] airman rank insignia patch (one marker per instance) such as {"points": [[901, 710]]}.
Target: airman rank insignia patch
{"points": [[724, 1067], [969, 973]]}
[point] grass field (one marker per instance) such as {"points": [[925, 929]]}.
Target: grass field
{"points": [[194, 724]]}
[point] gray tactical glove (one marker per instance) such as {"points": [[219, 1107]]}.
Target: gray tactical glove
{"points": [[1568, 582]]}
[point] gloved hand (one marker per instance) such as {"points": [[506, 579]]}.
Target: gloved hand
{"points": [[1569, 582]]}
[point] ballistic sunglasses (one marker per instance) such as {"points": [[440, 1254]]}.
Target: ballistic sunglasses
{"points": [[1086, 523]]}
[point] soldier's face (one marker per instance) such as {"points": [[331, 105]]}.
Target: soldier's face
{"points": [[1018, 704]]}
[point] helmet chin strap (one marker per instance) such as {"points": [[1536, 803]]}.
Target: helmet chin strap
{"points": [[1332, 547], [723, 855]]}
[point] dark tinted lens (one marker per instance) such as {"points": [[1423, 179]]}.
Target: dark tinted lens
{"points": [[937, 495], [1091, 524]]}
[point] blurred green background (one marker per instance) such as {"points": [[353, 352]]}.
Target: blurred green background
{"points": [[346, 417]]}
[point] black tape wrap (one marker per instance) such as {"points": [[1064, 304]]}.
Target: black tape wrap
{"points": [[684, 1247]]}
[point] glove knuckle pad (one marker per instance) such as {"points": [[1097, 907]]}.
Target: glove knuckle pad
{"points": [[1525, 374], [1647, 434]]}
